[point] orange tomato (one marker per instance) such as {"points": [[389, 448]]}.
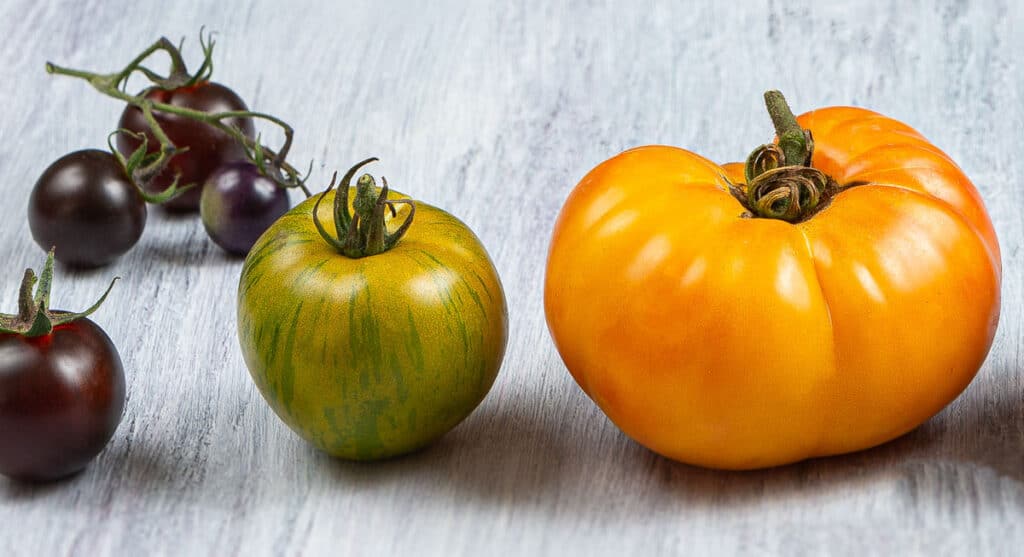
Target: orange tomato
{"points": [[730, 341]]}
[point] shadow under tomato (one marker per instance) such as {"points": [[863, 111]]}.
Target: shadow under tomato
{"points": [[197, 250], [17, 490], [127, 464], [501, 453], [193, 249], [989, 431]]}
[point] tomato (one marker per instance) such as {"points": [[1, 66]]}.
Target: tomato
{"points": [[719, 336], [239, 204], [86, 207], [62, 389], [373, 355], [208, 147]]}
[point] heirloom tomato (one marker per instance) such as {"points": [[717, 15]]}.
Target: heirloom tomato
{"points": [[376, 338], [828, 296]]}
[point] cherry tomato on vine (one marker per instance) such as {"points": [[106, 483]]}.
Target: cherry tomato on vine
{"points": [[62, 387], [86, 207], [239, 204], [208, 147]]}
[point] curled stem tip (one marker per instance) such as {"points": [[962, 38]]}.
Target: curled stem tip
{"points": [[789, 193]]}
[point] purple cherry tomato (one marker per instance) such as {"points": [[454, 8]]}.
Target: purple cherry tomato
{"points": [[61, 399], [239, 204], [86, 207]]}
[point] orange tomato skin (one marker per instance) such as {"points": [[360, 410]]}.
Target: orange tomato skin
{"points": [[733, 342]]}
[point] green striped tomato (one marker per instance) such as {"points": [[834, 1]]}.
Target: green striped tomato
{"points": [[376, 356]]}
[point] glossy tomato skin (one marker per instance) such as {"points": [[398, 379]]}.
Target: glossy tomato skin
{"points": [[734, 342], [86, 207], [61, 399], [373, 357], [239, 204], [208, 148]]}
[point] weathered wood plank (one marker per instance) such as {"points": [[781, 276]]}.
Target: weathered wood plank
{"points": [[494, 111]]}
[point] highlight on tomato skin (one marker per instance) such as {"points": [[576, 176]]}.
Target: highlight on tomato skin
{"points": [[752, 314]]}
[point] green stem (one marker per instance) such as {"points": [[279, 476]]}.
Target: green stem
{"points": [[52, 68], [793, 140], [25, 305], [158, 131], [177, 63]]}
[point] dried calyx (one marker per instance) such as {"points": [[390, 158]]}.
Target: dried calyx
{"points": [[143, 166], [364, 231], [781, 183], [34, 316]]}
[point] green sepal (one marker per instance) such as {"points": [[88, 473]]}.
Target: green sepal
{"points": [[62, 318], [41, 325], [140, 161], [205, 70], [319, 225], [42, 298]]}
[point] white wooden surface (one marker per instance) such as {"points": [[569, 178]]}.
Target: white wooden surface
{"points": [[494, 111]]}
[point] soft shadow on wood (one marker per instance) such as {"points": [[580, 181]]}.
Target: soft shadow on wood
{"points": [[503, 454], [127, 464], [192, 251], [11, 490], [990, 432]]}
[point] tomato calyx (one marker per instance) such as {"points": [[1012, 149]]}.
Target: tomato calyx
{"points": [[781, 183], [143, 166], [34, 318], [364, 232], [789, 193]]}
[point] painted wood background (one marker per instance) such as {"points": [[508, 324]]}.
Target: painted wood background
{"points": [[494, 111]]}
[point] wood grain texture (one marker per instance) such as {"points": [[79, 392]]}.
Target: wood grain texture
{"points": [[494, 111]]}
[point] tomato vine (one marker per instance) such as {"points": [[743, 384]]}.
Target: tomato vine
{"points": [[143, 167]]}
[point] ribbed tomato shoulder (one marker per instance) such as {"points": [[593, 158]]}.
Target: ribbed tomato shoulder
{"points": [[857, 145]]}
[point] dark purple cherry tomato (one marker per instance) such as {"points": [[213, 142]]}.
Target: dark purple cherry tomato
{"points": [[61, 399], [86, 207], [61, 385], [208, 148], [239, 204]]}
